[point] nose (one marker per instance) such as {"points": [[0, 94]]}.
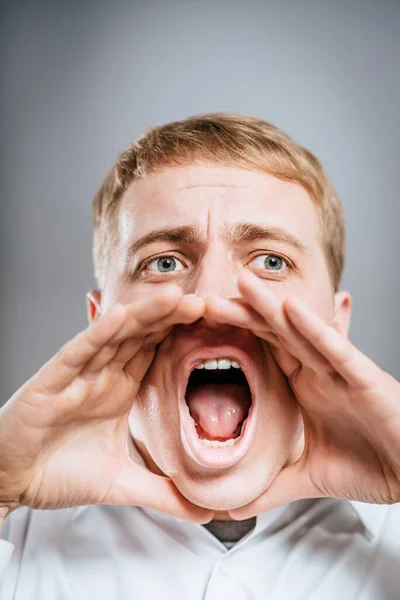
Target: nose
{"points": [[216, 275]]}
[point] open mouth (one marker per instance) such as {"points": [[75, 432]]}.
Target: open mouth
{"points": [[219, 399], [218, 409]]}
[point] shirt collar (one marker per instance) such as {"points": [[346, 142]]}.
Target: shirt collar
{"points": [[371, 516], [269, 518]]}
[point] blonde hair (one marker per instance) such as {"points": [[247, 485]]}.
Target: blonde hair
{"points": [[222, 138]]}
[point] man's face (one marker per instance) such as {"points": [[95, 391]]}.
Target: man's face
{"points": [[199, 226]]}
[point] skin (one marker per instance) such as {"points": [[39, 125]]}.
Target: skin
{"points": [[211, 198], [328, 418], [63, 433], [349, 406]]}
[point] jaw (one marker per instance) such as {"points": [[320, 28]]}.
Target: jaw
{"points": [[215, 478]]}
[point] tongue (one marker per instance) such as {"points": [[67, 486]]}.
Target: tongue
{"points": [[218, 409]]}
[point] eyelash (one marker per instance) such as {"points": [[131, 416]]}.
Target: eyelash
{"points": [[149, 260], [288, 264]]}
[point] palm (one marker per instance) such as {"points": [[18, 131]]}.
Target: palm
{"points": [[340, 453], [350, 407], [82, 464], [63, 435]]}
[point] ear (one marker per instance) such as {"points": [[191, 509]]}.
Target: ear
{"points": [[342, 317], [93, 305]]}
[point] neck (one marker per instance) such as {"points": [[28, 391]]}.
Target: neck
{"points": [[222, 515]]}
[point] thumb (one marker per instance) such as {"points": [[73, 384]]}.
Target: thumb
{"points": [[292, 483], [137, 486]]}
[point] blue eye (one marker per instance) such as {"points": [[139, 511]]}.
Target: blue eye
{"points": [[269, 262], [274, 263], [165, 264]]}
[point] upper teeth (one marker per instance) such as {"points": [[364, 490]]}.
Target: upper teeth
{"points": [[218, 363]]}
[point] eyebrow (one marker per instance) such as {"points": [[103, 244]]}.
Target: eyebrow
{"points": [[186, 234], [249, 232], [236, 234]]}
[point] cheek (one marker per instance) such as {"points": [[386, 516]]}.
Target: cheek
{"points": [[317, 293], [119, 287], [152, 414], [322, 301], [124, 291]]}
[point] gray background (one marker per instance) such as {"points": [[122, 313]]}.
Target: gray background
{"points": [[81, 80]]}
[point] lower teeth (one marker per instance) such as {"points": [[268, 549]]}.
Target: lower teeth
{"points": [[217, 444]]}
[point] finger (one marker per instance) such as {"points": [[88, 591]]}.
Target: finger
{"points": [[148, 312], [103, 336], [137, 486], [190, 310], [285, 361], [59, 371], [270, 307], [356, 368], [126, 350], [166, 498], [137, 366], [121, 350], [150, 315], [119, 353], [237, 313], [103, 357], [152, 340], [291, 484]]}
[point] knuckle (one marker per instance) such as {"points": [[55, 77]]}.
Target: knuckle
{"points": [[344, 356], [61, 354]]}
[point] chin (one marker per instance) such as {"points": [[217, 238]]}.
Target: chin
{"points": [[224, 492]]}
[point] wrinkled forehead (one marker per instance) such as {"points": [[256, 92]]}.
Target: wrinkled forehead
{"points": [[211, 197]]}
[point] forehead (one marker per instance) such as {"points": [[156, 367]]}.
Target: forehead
{"points": [[210, 196]]}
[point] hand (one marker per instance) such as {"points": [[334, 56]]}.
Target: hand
{"points": [[63, 435], [350, 407]]}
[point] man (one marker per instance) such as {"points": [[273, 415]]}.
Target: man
{"points": [[263, 455]]}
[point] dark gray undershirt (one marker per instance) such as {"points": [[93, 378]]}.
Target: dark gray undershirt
{"points": [[230, 532]]}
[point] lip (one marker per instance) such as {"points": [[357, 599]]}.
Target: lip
{"points": [[217, 458]]}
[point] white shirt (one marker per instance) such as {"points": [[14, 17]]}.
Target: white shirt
{"points": [[310, 550]]}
